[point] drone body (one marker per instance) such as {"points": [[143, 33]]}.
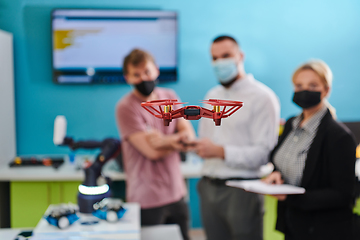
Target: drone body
{"points": [[192, 112]]}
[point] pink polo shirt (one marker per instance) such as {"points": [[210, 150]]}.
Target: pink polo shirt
{"points": [[150, 183]]}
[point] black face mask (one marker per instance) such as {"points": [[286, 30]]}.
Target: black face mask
{"points": [[307, 99], [145, 87]]}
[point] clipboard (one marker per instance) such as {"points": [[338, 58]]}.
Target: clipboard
{"points": [[258, 186]]}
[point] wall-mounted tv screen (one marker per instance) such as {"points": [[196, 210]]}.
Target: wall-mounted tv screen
{"points": [[89, 45]]}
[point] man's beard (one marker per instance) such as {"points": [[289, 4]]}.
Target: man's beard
{"points": [[229, 83]]}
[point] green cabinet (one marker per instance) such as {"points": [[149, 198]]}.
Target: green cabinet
{"points": [[29, 200], [270, 215]]}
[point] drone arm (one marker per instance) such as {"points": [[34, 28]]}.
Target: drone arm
{"points": [[206, 113], [177, 113]]}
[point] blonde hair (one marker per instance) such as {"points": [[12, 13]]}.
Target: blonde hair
{"points": [[325, 74]]}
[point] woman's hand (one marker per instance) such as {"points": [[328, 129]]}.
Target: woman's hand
{"points": [[275, 178], [280, 197]]}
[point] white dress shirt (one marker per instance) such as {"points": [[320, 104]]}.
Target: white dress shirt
{"points": [[248, 135]]}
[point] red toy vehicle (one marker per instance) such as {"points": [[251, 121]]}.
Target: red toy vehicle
{"points": [[192, 112]]}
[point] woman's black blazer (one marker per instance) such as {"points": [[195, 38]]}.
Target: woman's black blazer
{"points": [[325, 210]]}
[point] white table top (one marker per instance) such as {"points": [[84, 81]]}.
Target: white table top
{"points": [[68, 172], [159, 232], [9, 233], [128, 227]]}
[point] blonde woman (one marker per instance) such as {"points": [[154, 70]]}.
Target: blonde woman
{"points": [[317, 153]]}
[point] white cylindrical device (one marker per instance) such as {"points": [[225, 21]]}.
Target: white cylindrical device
{"points": [[60, 125]]}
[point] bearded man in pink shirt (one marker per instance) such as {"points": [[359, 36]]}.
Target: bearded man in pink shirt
{"points": [[150, 149]]}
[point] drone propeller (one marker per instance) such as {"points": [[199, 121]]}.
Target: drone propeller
{"points": [[161, 113], [223, 113], [167, 102], [218, 102]]}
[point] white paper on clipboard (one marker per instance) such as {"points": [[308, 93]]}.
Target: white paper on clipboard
{"points": [[257, 186]]}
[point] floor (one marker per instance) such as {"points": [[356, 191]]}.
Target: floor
{"points": [[197, 234]]}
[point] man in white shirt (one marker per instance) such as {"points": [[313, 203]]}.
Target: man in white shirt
{"points": [[237, 148]]}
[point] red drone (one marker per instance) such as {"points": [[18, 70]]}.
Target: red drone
{"points": [[192, 112]]}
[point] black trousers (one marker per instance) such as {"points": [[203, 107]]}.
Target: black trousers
{"points": [[174, 213]]}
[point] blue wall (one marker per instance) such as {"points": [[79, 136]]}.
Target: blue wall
{"points": [[275, 35]]}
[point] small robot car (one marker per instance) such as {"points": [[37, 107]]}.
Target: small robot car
{"points": [[62, 216], [109, 209]]}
